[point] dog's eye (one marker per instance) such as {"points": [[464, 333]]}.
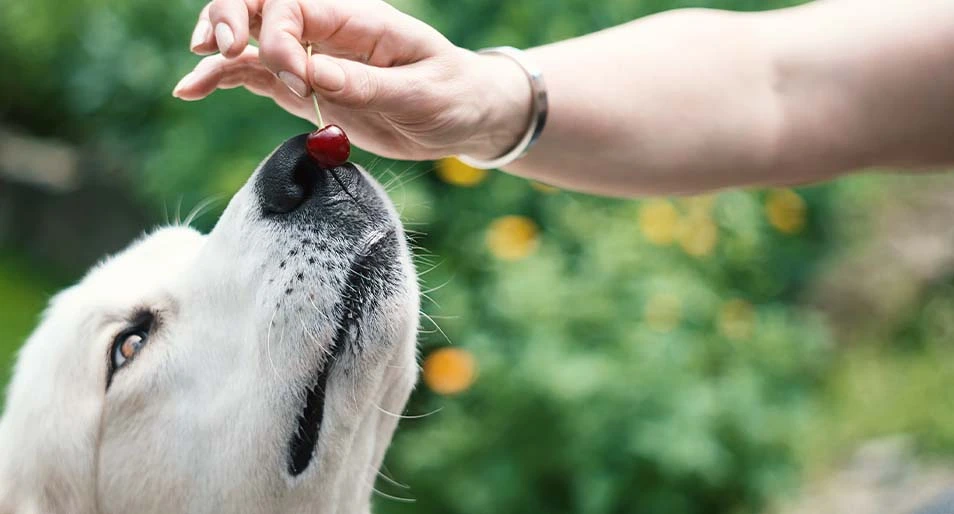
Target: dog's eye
{"points": [[129, 342], [127, 346]]}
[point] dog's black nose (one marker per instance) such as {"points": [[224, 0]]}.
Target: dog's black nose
{"points": [[289, 177]]}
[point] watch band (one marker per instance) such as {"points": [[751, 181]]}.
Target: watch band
{"points": [[538, 117]]}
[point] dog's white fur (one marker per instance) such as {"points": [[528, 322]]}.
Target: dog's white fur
{"points": [[199, 421]]}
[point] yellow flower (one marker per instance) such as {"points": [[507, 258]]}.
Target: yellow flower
{"points": [[658, 220], [450, 370], [457, 173], [699, 205], [662, 312], [736, 319], [786, 211], [543, 188], [697, 235], [512, 238]]}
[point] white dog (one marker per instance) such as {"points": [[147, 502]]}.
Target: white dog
{"points": [[254, 370]]}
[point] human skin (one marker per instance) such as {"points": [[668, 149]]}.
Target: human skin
{"points": [[681, 102]]}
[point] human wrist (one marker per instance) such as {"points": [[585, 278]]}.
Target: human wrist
{"points": [[503, 99]]}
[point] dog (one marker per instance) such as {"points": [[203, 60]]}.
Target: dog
{"points": [[258, 369]]}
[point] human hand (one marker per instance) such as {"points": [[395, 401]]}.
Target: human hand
{"points": [[398, 87]]}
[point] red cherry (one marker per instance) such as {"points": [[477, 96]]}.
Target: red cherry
{"points": [[329, 146]]}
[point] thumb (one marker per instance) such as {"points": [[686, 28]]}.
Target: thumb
{"points": [[356, 85]]}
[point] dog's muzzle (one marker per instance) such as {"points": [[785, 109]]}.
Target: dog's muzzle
{"points": [[320, 212]]}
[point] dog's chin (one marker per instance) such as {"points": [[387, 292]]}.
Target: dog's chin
{"points": [[358, 286]]}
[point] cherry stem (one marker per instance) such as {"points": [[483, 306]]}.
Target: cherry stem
{"points": [[314, 98]]}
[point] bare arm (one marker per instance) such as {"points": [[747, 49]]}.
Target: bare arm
{"points": [[694, 100], [680, 102]]}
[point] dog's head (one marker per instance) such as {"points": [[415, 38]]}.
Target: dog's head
{"points": [[258, 369]]}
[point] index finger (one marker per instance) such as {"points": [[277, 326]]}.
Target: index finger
{"points": [[280, 43]]}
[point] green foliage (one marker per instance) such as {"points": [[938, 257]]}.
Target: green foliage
{"points": [[884, 394], [585, 402]]}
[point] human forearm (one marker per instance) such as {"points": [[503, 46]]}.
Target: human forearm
{"points": [[695, 100], [676, 102], [863, 86]]}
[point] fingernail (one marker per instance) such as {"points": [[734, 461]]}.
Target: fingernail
{"points": [[201, 34], [224, 37], [184, 82], [294, 83], [329, 75]]}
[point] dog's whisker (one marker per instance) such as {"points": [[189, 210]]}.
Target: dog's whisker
{"points": [[313, 334], [404, 205], [397, 177], [268, 343], [438, 327], [429, 263], [444, 317], [200, 209], [312, 302], [392, 497], [406, 416], [179, 210], [417, 175], [380, 472], [420, 250], [438, 287], [403, 202], [413, 177], [369, 479], [325, 350], [394, 177], [429, 270], [428, 298], [374, 162], [429, 260]]}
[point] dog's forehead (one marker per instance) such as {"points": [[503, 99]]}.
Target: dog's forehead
{"points": [[141, 271], [165, 250]]}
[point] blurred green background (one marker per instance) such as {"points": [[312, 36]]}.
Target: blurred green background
{"points": [[732, 353]]}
